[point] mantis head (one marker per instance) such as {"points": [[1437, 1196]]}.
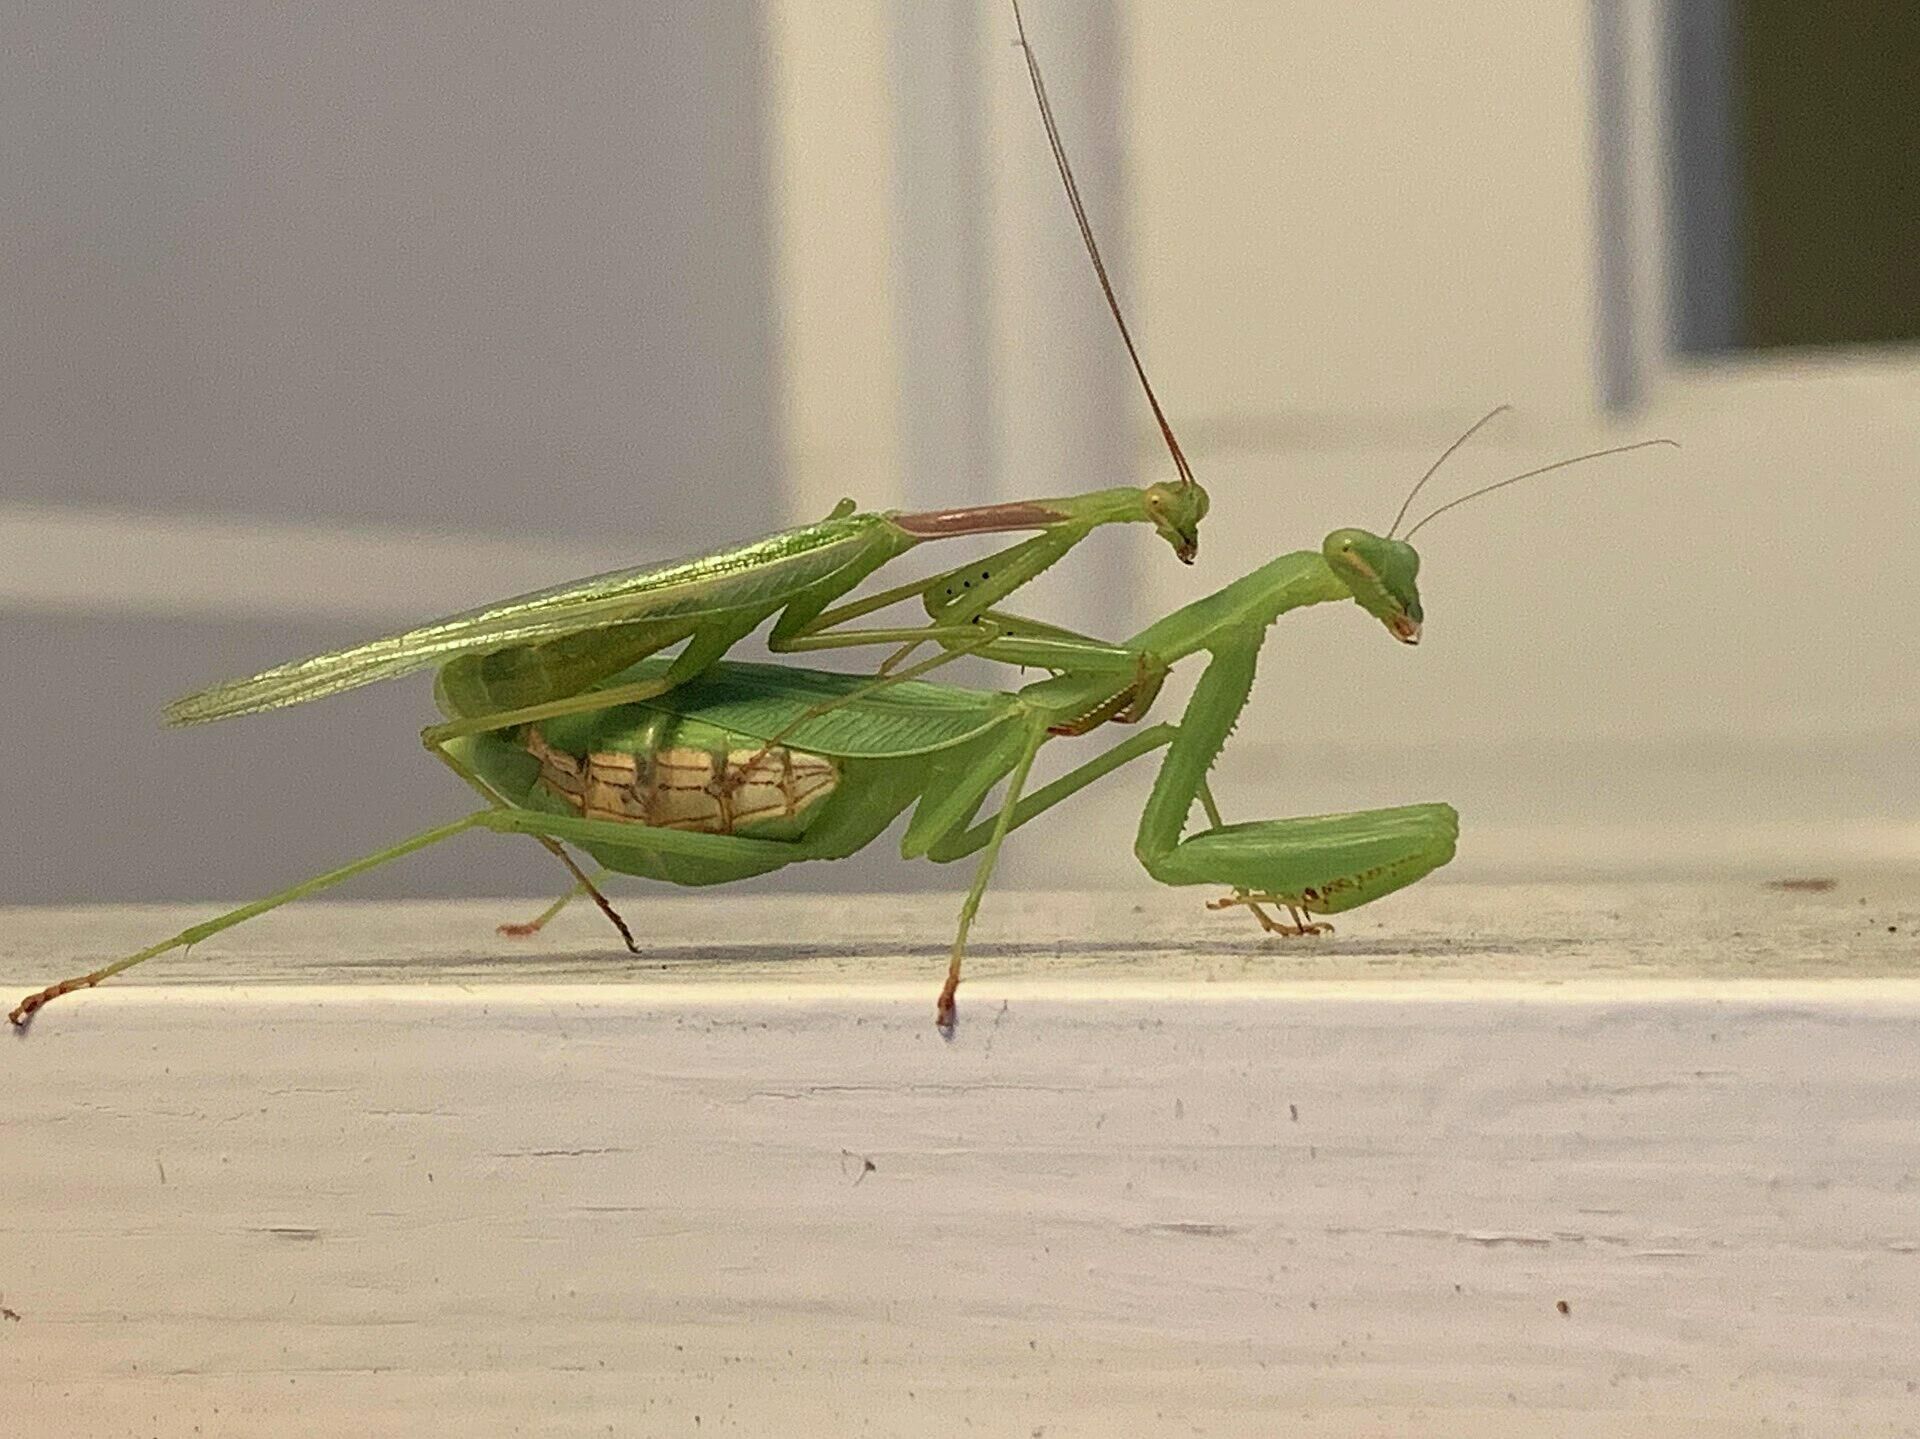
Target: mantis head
{"points": [[1380, 573], [1176, 511]]}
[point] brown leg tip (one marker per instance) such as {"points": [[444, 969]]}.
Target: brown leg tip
{"points": [[518, 929]]}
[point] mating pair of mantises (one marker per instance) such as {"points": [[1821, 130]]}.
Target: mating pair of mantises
{"points": [[565, 713]]}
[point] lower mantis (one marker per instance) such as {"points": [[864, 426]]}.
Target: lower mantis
{"points": [[749, 768]]}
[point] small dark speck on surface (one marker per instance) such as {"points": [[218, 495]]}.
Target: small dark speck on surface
{"points": [[1819, 885], [1293, 1113], [1562, 1306], [12, 1316]]}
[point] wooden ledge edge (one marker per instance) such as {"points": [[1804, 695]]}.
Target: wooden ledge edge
{"points": [[721, 993]]}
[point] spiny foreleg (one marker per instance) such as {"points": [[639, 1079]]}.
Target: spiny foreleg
{"points": [[1321, 864]]}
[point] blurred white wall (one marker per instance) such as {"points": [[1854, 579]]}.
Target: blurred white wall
{"points": [[316, 321], [1360, 227], [1350, 231], [286, 297]]}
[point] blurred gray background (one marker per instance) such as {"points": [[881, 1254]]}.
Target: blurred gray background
{"points": [[450, 268], [318, 321]]}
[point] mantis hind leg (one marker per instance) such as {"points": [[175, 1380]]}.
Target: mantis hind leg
{"points": [[583, 832], [193, 934], [527, 928], [582, 883]]}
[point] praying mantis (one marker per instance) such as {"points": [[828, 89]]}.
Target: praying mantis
{"points": [[562, 712], [746, 768]]}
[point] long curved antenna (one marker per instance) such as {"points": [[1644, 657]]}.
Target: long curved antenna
{"points": [[1543, 470], [1093, 248], [1435, 466]]}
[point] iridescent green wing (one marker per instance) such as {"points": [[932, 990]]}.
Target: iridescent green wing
{"points": [[765, 701], [763, 576]]}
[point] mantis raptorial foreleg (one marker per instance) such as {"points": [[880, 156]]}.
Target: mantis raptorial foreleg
{"points": [[953, 596], [1324, 863], [955, 600]]}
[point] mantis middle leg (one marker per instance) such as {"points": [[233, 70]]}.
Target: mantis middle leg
{"points": [[941, 827]]}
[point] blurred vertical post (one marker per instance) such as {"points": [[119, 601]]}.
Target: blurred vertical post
{"points": [[943, 220], [1067, 415], [944, 340], [828, 72], [1615, 361]]}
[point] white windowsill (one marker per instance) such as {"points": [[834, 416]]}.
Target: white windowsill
{"points": [[367, 1168]]}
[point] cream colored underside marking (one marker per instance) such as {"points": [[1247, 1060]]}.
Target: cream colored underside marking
{"points": [[679, 788]]}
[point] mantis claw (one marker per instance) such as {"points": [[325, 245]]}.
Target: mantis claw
{"points": [[1303, 923]]}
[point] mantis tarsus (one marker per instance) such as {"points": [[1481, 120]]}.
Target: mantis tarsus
{"points": [[748, 768]]}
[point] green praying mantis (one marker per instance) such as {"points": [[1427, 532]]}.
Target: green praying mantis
{"points": [[746, 768], [563, 713]]}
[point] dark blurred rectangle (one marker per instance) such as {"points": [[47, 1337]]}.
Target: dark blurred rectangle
{"points": [[1796, 173]]}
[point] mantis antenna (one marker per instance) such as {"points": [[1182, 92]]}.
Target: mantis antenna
{"points": [[1093, 248], [1543, 470], [1433, 468]]}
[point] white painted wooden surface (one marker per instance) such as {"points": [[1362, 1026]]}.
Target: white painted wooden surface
{"points": [[369, 1170]]}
